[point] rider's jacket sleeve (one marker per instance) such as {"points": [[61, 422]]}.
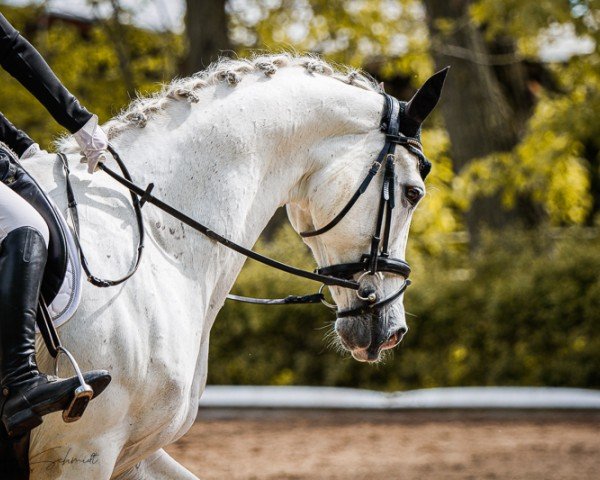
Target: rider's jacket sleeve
{"points": [[19, 58], [16, 139]]}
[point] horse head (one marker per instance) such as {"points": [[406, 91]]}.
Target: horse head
{"points": [[355, 214]]}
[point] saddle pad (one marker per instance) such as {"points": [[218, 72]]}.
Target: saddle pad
{"points": [[64, 306]]}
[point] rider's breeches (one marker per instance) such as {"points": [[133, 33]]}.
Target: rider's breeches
{"points": [[16, 212], [16, 139]]}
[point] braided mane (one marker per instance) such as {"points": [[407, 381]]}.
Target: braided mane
{"points": [[225, 70]]}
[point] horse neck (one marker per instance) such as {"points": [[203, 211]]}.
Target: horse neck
{"points": [[232, 164]]}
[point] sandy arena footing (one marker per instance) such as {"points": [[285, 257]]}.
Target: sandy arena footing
{"points": [[357, 445]]}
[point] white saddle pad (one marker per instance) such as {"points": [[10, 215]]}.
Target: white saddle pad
{"points": [[64, 306]]}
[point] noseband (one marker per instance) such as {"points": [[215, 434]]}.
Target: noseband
{"points": [[377, 260], [340, 275]]}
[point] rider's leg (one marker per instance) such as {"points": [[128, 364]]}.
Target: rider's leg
{"points": [[16, 213], [16, 139], [23, 251]]}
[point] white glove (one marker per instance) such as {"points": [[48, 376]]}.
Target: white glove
{"points": [[93, 143], [32, 151]]}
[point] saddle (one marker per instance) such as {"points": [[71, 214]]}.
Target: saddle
{"points": [[14, 462], [16, 178]]}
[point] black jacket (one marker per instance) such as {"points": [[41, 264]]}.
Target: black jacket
{"points": [[19, 58]]}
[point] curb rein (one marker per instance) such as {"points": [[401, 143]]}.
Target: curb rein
{"points": [[335, 275]]}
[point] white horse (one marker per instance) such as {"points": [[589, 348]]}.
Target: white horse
{"points": [[227, 147]]}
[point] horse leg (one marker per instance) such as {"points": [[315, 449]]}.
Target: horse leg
{"points": [[158, 466]]}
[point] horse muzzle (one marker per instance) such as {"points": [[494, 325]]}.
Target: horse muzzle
{"points": [[366, 336]]}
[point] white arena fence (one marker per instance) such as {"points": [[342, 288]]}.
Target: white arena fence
{"points": [[486, 398]]}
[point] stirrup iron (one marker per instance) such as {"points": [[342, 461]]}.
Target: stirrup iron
{"points": [[82, 394]]}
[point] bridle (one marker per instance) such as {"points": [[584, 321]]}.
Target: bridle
{"points": [[378, 259], [341, 275]]}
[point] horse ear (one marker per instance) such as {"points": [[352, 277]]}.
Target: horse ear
{"points": [[426, 98]]}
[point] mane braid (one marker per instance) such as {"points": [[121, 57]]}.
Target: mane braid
{"points": [[225, 70]]}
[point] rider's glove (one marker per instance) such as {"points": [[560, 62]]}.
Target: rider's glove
{"points": [[93, 143], [33, 150]]}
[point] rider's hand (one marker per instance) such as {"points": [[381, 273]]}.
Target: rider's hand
{"points": [[33, 150], [93, 143]]}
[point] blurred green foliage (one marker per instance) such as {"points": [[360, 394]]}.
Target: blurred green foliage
{"points": [[524, 310], [559, 152], [392, 33], [84, 58], [391, 36]]}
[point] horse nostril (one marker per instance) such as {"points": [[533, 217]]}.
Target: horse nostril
{"points": [[399, 333], [394, 339]]}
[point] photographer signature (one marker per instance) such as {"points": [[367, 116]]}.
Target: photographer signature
{"points": [[67, 459]]}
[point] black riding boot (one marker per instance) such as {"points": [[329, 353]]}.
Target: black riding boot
{"points": [[30, 395]]}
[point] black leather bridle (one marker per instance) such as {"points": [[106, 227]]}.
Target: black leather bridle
{"points": [[378, 259], [341, 275]]}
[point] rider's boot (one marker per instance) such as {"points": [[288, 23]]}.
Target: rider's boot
{"points": [[30, 394]]}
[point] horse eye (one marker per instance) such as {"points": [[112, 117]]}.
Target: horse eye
{"points": [[413, 194]]}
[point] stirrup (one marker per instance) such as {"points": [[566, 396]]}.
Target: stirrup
{"points": [[82, 394]]}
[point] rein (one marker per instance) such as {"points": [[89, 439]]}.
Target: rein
{"points": [[334, 275], [141, 196], [72, 208]]}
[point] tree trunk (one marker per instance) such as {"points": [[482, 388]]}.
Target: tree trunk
{"points": [[118, 37], [592, 154], [207, 33], [485, 104]]}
